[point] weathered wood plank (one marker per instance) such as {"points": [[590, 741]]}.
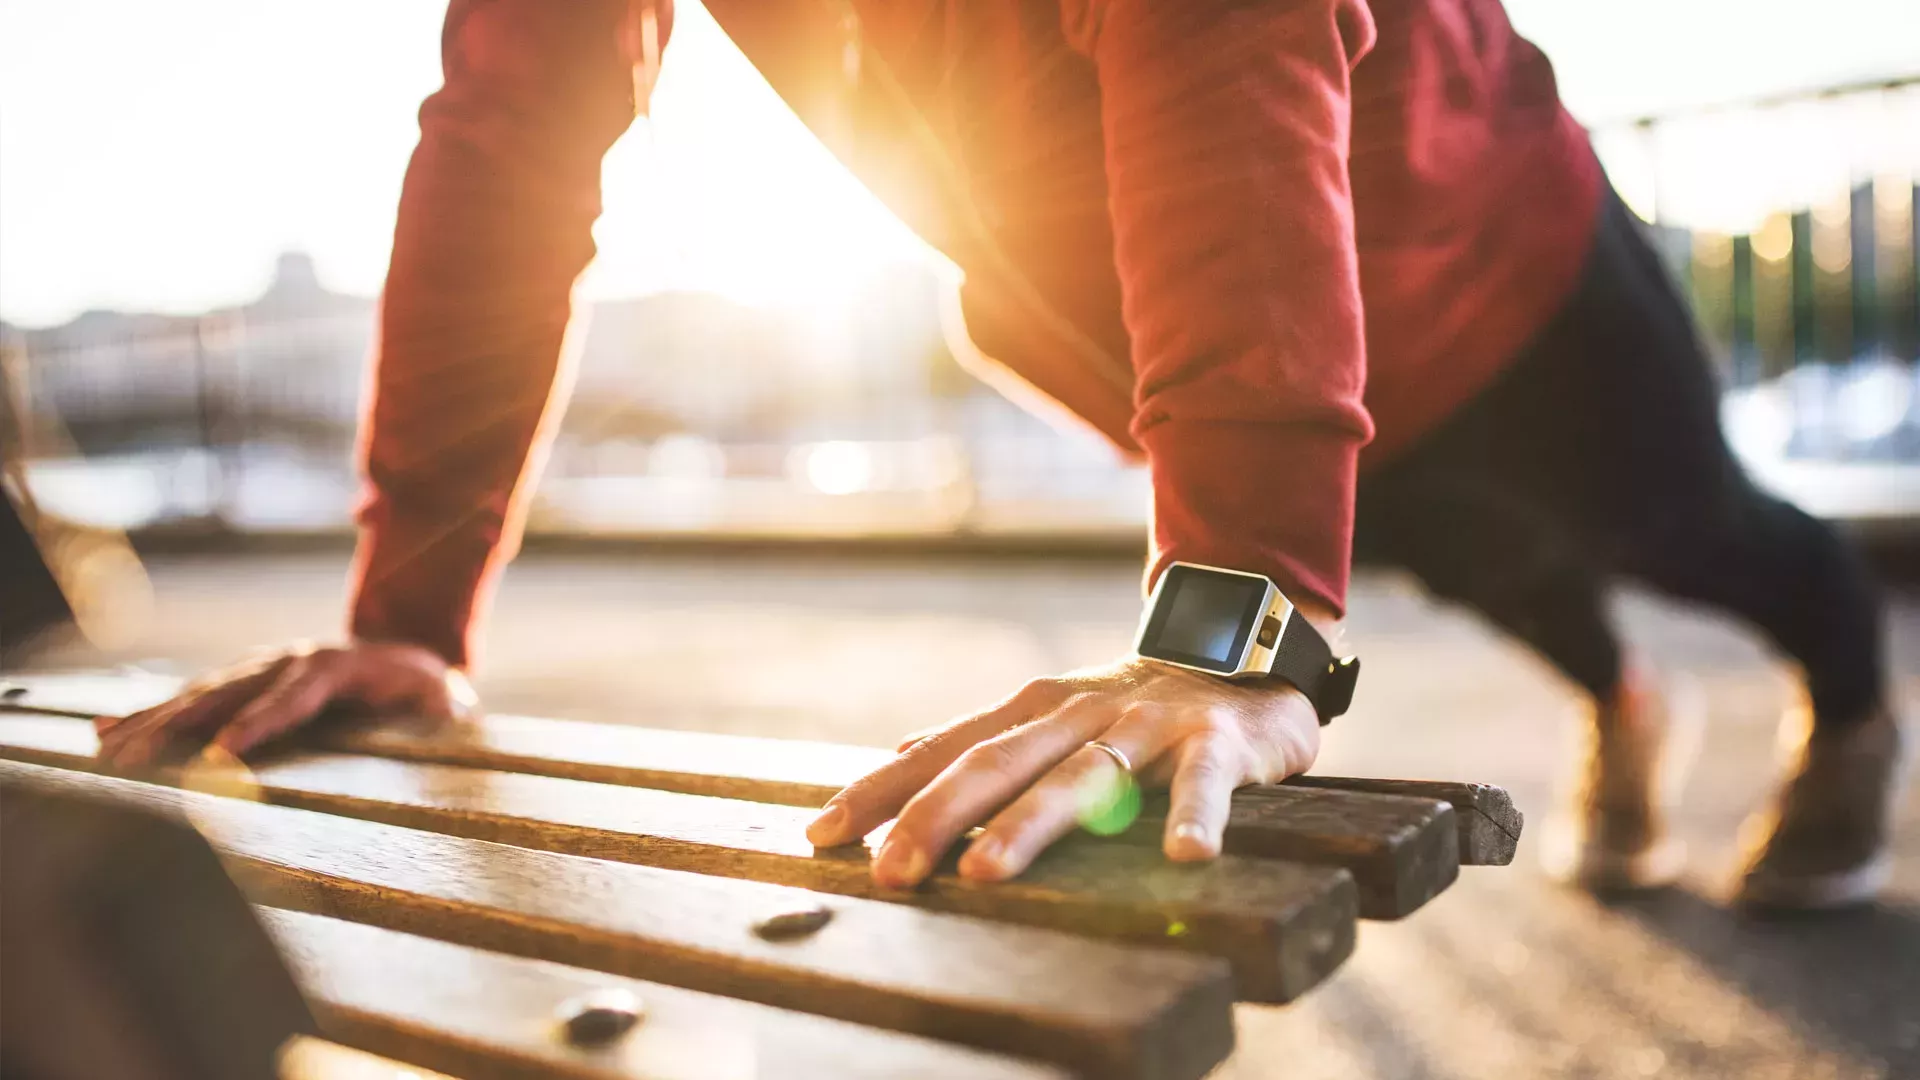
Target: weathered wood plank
{"points": [[726, 766], [481, 1016], [1401, 851], [1283, 926], [762, 770], [87, 694], [307, 1058], [1489, 823], [808, 774], [1089, 1006]]}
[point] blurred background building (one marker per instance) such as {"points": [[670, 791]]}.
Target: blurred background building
{"points": [[809, 388]]}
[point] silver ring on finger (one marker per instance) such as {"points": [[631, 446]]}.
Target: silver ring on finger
{"points": [[1118, 755]]}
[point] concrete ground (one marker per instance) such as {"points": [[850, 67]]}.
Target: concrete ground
{"points": [[1505, 976]]}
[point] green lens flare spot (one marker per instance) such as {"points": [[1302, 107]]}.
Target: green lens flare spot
{"points": [[1176, 928], [1111, 812]]}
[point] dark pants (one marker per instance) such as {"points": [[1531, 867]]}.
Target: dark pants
{"points": [[31, 602], [1599, 453]]}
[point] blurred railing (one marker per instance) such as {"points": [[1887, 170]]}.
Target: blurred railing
{"points": [[1792, 224], [690, 416]]}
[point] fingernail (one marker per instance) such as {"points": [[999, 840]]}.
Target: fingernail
{"points": [[825, 830], [1189, 841], [899, 863], [985, 859], [461, 695]]}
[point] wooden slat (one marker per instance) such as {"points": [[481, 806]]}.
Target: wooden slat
{"points": [[87, 694], [795, 772], [1396, 869], [809, 773], [307, 1058], [1282, 925], [1402, 851], [1089, 1006], [791, 772], [1489, 823], [482, 1015]]}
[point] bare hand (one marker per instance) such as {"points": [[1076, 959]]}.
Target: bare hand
{"points": [[1026, 764], [238, 708]]}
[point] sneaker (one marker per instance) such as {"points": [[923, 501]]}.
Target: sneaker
{"points": [[1611, 834], [1824, 842]]}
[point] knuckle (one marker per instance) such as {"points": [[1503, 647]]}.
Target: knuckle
{"points": [[995, 756], [1043, 689], [1222, 720]]}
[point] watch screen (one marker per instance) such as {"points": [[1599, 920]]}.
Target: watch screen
{"points": [[1203, 618]]}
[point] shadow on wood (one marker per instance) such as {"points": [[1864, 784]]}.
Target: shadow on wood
{"points": [[126, 952]]}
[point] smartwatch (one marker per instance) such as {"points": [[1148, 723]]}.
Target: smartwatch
{"points": [[1240, 626]]}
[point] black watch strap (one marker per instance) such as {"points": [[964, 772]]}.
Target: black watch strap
{"points": [[1303, 659]]}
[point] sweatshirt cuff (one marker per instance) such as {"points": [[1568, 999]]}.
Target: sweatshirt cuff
{"points": [[1273, 499]]}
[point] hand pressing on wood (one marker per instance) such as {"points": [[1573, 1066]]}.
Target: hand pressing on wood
{"points": [[1027, 768], [238, 708]]}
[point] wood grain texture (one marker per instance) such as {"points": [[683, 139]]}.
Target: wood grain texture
{"points": [[784, 771], [1086, 1005], [808, 774], [1489, 823], [307, 1058], [86, 694], [767, 770], [485, 1016], [1283, 926], [1401, 851]]}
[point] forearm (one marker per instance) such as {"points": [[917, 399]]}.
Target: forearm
{"points": [[1227, 136], [493, 229]]}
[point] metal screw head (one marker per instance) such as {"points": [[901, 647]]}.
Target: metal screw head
{"points": [[798, 923], [600, 1016]]}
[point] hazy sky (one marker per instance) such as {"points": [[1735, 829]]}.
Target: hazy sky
{"points": [[158, 155]]}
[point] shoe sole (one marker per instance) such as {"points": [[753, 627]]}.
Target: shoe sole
{"points": [[1817, 892]]}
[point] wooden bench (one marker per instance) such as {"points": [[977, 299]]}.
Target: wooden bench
{"points": [[440, 890]]}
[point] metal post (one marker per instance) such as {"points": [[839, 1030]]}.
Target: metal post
{"points": [[210, 441], [1746, 358], [1913, 279], [1806, 343], [1865, 286]]}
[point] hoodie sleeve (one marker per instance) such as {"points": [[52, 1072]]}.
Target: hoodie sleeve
{"points": [[494, 227], [1227, 129]]}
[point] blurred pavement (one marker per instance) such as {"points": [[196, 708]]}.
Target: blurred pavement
{"points": [[1505, 976]]}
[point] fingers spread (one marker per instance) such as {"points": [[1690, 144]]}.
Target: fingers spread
{"points": [[879, 795], [1087, 788], [302, 690], [981, 780], [1210, 768], [173, 726]]}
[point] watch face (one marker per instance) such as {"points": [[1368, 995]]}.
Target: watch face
{"points": [[1203, 617]]}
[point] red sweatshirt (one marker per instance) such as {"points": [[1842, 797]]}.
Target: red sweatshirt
{"points": [[1169, 212]]}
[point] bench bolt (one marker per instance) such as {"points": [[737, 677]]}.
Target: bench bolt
{"points": [[600, 1016], [788, 925]]}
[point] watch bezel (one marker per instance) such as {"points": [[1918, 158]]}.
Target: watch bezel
{"points": [[1247, 657]]}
